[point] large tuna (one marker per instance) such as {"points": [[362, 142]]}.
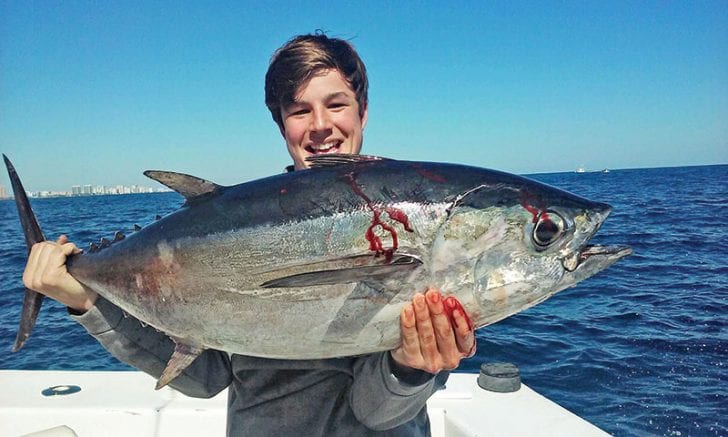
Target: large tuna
{"points": [[318, 263]]}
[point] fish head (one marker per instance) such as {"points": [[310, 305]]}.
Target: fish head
{"points": [[520, 242]]}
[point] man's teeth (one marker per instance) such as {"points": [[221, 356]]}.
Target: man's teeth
{"points": [[323, 147]]}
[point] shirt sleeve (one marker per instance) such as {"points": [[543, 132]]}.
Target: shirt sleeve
{"points": [[381, 400], [148, 350]]}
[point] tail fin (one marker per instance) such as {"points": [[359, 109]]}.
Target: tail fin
{"points": [[32, 300]]}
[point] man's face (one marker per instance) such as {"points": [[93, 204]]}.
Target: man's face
{"points": [[323, 119]]}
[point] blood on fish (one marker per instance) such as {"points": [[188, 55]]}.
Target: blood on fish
{"points": [[536, 211], [399, 216], [429, 174], [156, 275], [375, 242], [451, 304]]}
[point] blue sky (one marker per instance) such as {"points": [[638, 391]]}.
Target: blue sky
{"points": [[97, 92]]}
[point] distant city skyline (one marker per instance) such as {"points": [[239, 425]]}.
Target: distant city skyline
{"points": [[87, 190]]}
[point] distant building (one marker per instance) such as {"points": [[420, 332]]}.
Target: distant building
{"points": [[3, 193], [89, 190]]}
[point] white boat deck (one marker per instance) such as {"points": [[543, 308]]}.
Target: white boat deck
{"points": [[126, 404]]}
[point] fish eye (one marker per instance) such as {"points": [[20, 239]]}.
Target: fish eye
{"points": [[549, 228]]}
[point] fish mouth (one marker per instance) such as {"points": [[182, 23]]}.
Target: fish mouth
{"points": [[603, 254]]}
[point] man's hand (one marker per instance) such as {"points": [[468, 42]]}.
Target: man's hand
{"points": [[431, 341], [46, 273]]}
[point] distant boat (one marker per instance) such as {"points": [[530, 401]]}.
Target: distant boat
{"points": [[582, 169]]}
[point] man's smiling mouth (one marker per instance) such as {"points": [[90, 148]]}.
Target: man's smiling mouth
{"points": [[330, 147]]}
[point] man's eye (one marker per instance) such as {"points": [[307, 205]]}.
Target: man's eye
{"points": [[298, 112]]}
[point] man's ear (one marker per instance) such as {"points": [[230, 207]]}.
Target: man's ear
{"points": [[364, 115]]}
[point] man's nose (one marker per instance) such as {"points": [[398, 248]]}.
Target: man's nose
{"points": [[321, 120]]}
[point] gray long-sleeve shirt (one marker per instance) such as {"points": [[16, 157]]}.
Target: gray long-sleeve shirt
{"points": [[353, 396]]}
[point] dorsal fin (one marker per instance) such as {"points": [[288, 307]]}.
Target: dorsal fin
{"points": [[190, 187], [333, 159]]}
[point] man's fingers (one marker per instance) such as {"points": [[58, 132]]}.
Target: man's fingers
{"points": [[424, 324], [46, 272], [444, 334], [436, 333], [408, 354], [46, 263], [462, 325], [32, 265], [408, 327], [464, 335], [428, 339], [68, 248], [410, 340], [42, 273]]}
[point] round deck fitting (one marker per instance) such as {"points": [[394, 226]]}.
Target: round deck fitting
{"points": [[61, 390], [499, 377]]}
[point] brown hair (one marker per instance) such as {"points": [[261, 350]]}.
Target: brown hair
{"points": [[304, 56]]}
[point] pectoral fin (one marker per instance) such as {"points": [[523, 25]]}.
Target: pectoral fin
{"points": [[184, 354], [347, 272]]}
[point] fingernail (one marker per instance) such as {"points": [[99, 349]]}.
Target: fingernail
{"points": [[420, 301], [408, 313], [454, 320], [434, 297]]}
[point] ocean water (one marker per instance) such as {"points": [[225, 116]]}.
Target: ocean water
{"points": [[639, 349]]}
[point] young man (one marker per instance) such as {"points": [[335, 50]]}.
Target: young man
{"points": [[316, 90]]}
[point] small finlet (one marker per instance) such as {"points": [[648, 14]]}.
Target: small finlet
{"points": [[104, 242], [118, 236], [190, 187], [137, 228]]}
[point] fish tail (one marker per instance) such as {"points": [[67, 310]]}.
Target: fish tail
{"points": [[32, 300]]}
